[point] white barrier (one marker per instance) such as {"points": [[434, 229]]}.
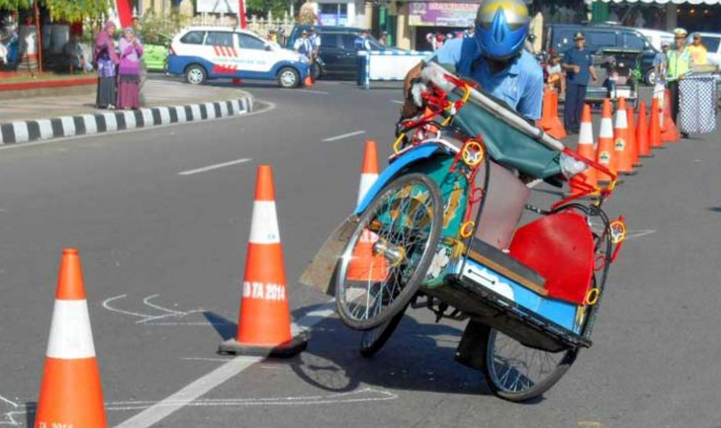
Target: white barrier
{"points": [[389, 65]]}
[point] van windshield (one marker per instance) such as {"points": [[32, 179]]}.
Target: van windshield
{"points": [[711, 43]]}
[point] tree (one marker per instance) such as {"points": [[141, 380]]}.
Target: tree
{"points": [[75, 10], [14, 4], [262, 7]]}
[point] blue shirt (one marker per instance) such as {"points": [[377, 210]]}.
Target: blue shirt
{"points": [[520, 84], [583, 60]]}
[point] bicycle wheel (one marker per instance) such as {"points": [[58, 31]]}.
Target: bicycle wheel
{"points": [[389, 253], [519, 373], [374, 339]]}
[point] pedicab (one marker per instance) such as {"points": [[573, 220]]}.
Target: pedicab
{"points": [[438, 229]]}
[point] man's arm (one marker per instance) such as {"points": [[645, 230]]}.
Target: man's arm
{"points": [[531, 102], [592, 71]]}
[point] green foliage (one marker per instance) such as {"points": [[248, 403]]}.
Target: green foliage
{"points": [[76, 10], [262, 7], [13, 5], [158, 29]]}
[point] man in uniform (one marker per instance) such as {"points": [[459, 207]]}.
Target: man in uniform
{"points": [[679, 63], [578, 65], [362, 44], [495, 58]]}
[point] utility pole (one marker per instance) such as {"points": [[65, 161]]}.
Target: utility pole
{"points": [[242, 19]]}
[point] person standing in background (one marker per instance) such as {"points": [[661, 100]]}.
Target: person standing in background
{"points": [[578, 65], [383, 39], [131, 50], [660, 62], [679, 63], [303, 45], [362, 45], [698, 50], [106, 59]]}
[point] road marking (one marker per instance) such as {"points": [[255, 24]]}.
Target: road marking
{"points": [[212, 167], [340, 137], [397, 102], [223, 360], [632, 234], [9, 416], [190, 393], [312, 91]]}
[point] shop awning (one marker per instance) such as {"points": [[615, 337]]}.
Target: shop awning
{"points": [[706, 2]]}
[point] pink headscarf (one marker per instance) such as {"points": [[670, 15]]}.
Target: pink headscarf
{"points": [[105, 40]]}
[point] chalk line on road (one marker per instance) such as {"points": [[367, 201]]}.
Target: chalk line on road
{"points": [[146, 318], [212, 167], [205, 384], [397, 102], [340, 137], [312, 91], [631, 234]]}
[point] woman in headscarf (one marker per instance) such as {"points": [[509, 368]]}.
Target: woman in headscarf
{"points": [[106, 60], [131, 50]]}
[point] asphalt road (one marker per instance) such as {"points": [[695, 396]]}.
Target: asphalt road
{"points": [[163, 258]]}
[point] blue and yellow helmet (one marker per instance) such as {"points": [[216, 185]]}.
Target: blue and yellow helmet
{"points": [[502, 27]]}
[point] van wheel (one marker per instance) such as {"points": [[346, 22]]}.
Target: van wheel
{"points": [[317, 71], [650, 77], [288, 77], [195, 75]]}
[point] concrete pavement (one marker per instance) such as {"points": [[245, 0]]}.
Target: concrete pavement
{"points": [[163, 257]]}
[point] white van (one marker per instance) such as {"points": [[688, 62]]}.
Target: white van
{"points": [[202, 53], [657, 37]]}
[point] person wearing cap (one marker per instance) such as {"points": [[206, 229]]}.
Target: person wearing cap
{"points": [[679, 63], [578, 65], [660, 62], [303, 45], [314, 38], [699, 51], [362, 44], [494, 57]]}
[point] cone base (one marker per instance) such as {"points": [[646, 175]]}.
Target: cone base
{"points": [[619, 181], [637, 165], [658, 147], [296, 345], [629, 173], [648, 156]]}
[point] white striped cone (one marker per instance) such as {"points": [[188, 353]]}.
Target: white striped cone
{"points": [[659, 91], [71, 393], [369, 172]]}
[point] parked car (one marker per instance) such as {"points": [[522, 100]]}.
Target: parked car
{"points": [[559, 38], [657, 37], [713, 44], [155, 54], [203, 53], [337, 54]]}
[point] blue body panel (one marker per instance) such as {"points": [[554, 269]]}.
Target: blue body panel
{"points": [[413, 155], [178, 63]]}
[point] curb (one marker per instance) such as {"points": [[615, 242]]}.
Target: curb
{"points": [[113, 121]]}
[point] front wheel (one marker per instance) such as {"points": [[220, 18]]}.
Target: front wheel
{"points": [[517, 372], [288, 77], [389, 253], [195, 74]]}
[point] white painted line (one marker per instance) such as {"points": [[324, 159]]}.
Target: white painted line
{"points": [[205, 384], [91, 126], [164, 115], [180, 111], [223, 109], [212, 167], [130, 122], [147, 116], [111, 123], [46, 129], [639, 233], [68, 126], [340, 137], [224, 360], [210, 109], [312, 91], [22, 134], [397, 102]]}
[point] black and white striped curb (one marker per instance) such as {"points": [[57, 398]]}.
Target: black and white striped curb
{"points": [[112, 121]]}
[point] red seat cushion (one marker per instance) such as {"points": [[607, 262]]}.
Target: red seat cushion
{"points": [[560, 248]]}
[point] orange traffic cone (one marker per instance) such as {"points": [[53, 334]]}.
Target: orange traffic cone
{"points": [[606, 149], [654, 129], [550, 121], [308, 81], [632, 143], [669, 131], [71, 394], [585, 149], [624, 162], [642, 140], [369, 173], [264, 321]]}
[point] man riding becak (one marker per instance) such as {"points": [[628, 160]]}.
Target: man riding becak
{"points": [[494, 58]]}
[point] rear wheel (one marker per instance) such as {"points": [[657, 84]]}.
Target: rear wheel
{"points": [[650, 77], [316, 71], [517, 372], [288, 77], [195, 74], [389, 253]]}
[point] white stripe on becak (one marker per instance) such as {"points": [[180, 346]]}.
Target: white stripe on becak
{"points": [[70, 333], [68, 126], [264, 225], [111, 124], [366, 182], [46, 129], [91, 126], [21, 132]]}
